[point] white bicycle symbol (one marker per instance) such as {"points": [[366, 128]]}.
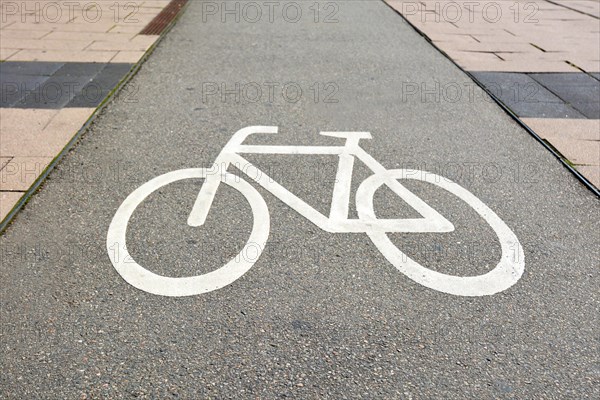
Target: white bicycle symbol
{"points": [[506, 273]]}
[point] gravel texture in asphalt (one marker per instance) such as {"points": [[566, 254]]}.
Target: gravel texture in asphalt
{"points": [[320, 315]]}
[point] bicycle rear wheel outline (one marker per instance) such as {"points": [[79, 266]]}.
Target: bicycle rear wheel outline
{"points": [[507, 272], [145, 280]]}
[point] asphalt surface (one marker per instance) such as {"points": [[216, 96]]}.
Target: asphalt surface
{"points": [[320, 315]]}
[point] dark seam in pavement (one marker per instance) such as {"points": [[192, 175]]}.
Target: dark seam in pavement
{"points": [[537, 47], [558, 95], [565, 162], [71, 144], [10, 158], [575, 66], [572, 9]]}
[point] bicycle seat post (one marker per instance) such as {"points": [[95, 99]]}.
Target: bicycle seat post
{"points": [[341, 191], [208, 190]]}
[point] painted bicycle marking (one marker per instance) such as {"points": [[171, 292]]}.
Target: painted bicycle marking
{"points": [[506, 273]]}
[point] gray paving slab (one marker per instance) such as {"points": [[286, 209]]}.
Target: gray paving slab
{"points": [[525, 96], [54, 85], [30, 68], [590, 110], [15, 87], [578, 89], [78, 69], [571, 87], [54, 93], [94, 92], [319, 315]]}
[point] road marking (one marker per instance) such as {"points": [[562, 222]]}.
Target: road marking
{"points": [[506, 273], [145, 280]]}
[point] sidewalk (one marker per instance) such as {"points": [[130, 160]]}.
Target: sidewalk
{"points": [[540, 58], [59, 62]]}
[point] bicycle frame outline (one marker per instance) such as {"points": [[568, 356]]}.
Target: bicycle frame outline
{"points": [[505, 274], [338, 220]]}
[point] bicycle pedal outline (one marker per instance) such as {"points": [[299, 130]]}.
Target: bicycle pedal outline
{"points": [[506, 273]]}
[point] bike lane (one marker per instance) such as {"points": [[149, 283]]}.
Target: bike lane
{"points": [[319, 314]]}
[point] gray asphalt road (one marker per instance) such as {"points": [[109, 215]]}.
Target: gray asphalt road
{"points": [[320, 315]]}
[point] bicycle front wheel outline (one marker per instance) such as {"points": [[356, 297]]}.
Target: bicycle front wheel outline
{"points": [[145, 280], [507, 272]]}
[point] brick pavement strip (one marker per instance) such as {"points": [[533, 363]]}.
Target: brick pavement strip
{"points": [[75, 32], [527, 31]]}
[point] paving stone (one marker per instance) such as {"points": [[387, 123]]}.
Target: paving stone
{"points": [[55, 92], [29, 68], [7, 202], [590, 110], [77, 69], [591, 172], [516, 87], [526, 97], [4, 161], [44, 44], [545, 110], [15, 87], [6, 54], [564, 34], [21, 172], [128, 57], [20, 34], [61, 129], [589, 66], [586, 7], [64, 55], [95, 91], [46, 133], [17, 138], [585, 152], [571, 87], [580, 129], [57, 35], [72, 85]]}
